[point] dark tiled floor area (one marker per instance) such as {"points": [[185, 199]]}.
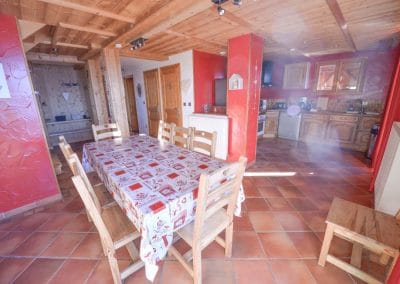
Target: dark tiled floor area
{"points": [[276, 241]]}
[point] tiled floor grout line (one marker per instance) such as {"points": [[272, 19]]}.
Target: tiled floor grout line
{"points": [[92, 271]]}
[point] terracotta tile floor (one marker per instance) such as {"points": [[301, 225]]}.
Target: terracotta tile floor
{"points": [[277, 240]]}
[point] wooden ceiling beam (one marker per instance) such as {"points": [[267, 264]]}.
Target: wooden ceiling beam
{"points": [[90, 10], [28, 28], [142, 55], [340, 20], [66, 44], [87, 29], [50, 58], [55, 37]]}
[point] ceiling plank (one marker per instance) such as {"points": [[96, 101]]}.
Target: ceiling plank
{"points": [[90, 10], [142, 55], [88, 29], [338, 15], [45, 58], [197, 39]]}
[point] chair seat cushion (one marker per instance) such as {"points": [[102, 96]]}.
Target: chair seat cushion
{"points": [[214, 225]]}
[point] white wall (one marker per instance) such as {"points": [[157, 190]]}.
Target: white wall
{"points": [[135, 67]]}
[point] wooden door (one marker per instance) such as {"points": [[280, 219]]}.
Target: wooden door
{"points": [[131, 104], [151, 84], [171, 94]]}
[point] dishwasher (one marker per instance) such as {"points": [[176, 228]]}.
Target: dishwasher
{"points": [[289, 125]]}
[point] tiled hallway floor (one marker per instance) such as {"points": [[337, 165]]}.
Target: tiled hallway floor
{"points": [[276, 241]]}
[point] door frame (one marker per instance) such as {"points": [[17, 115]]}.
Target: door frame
{"points": [[127, 102], [160, 106]]}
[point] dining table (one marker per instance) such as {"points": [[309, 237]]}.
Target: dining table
{"points": [[156, 185]]}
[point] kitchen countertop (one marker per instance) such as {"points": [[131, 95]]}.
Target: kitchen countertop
{"points": [[333, 112]]}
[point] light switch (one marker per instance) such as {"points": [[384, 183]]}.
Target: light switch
{"points": [[184, 104], [189, 104]]}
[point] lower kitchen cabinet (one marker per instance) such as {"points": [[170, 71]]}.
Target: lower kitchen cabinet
{"points": [[313, 127], [271, 123]]}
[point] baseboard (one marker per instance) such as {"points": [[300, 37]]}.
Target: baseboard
{"points": [[30, 206]]}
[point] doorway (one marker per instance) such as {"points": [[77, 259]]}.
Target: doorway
{"points": [[131, 105], [151, 84], [171, 94]]}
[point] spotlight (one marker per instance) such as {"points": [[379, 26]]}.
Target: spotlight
{"points": [[137, 43], [221, 11], [237, 2]]}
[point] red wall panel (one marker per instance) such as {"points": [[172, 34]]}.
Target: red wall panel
{"points": [[206, 68], [244, 58], [26, 173]]}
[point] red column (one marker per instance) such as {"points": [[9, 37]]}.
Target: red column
{"points": [[245, 59], [26, 173]]}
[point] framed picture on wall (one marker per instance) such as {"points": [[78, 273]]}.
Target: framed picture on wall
{"points": [[4, 91]]}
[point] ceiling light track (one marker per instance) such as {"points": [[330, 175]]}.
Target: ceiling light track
{"points": [[220, 10]]}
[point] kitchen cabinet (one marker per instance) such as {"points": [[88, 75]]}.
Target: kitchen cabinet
{"points": [[340, 77], [341, 129], [351, 131], [271, 123], [296, 76], [313, 127]]}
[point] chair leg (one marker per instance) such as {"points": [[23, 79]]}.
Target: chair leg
{"points": [[228, 240], [326, 244], [197, 265], [114, 268], [356, 255]]}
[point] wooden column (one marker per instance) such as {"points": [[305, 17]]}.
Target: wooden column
{"points": [[96, 92], [244, 59], [115, 89]]}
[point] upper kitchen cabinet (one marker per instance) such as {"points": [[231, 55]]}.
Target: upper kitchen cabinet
{"points": [[338, 77], [296, 76], [326, 73], [350, 75]]}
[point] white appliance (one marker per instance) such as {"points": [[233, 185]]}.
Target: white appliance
{"points": [[387, 196], [210, 123], [289, 125], [261, 124]]}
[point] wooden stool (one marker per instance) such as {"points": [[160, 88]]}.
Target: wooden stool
{"points": [[365, 228]]}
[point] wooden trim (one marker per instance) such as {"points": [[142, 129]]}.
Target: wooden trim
{"points": [[44, 58], [338, 15], [87, 29], [90, 10]]}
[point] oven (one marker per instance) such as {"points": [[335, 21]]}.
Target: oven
{"points": [[261, 124]]}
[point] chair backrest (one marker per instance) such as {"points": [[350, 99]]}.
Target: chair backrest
{"points": [[166, 131], [93, 210], [106, 131], [65, 147], [77, 170], [204, 142], [216, 190], [182, 136]]}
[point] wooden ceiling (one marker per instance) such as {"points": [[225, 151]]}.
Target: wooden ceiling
{"points": [[309, 27]]}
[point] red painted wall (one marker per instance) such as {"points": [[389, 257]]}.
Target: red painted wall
{"points": [[206, 68], [378, 74], [244, 58], [26, 173]]}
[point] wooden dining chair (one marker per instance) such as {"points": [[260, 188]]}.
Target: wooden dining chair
{"points": [[115, 230], [100, 193], [166, 131], [182, 136], [106, 131], [203, 142], [215, 205], [367, 229], [67, 151]]}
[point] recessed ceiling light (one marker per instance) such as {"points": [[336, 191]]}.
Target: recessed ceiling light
{"points": [[118, 45], [222, 52]]}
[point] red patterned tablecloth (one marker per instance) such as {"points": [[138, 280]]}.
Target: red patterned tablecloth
{"points": [[155, 183]]}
